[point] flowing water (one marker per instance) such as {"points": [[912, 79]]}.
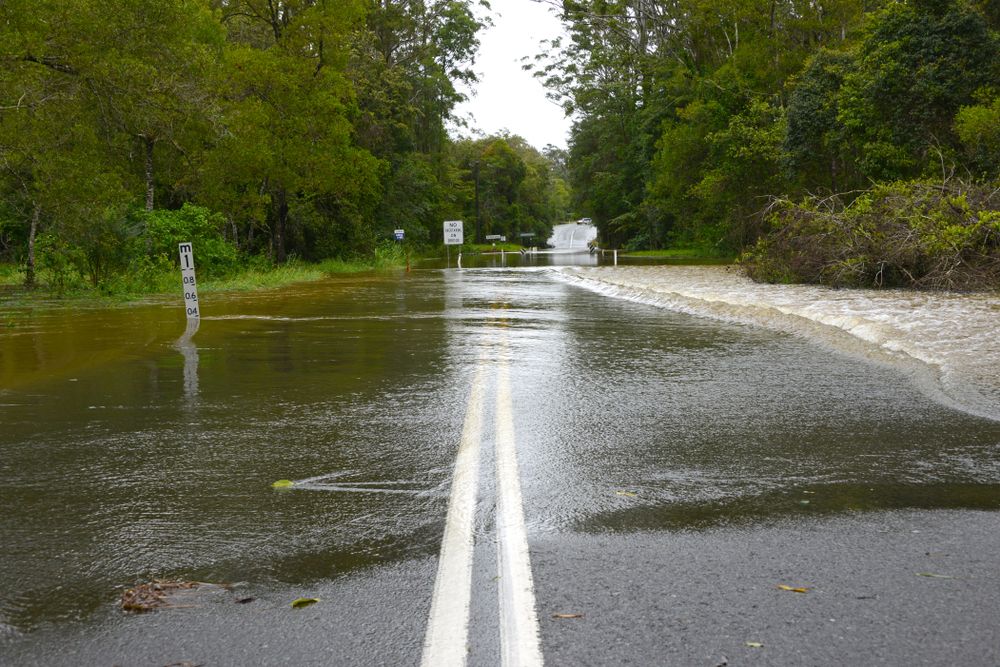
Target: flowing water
{"points": [[132, 450], [955, 336]]}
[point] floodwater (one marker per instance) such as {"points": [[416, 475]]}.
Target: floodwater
{"points": [[132, 450]]}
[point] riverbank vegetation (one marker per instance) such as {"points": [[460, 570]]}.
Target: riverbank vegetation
{"points": [[920, 234], [726, 122], [263, 131]]}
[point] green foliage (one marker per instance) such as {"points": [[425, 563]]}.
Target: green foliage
{"points": [[508, 185], [165, 230], [312, 129], [58, 262], [815, 148], [917, 66], [691, 114], [978, 128], [915, 234]]}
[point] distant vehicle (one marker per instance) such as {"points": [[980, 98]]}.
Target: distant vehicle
{"points": [[586, 221]]}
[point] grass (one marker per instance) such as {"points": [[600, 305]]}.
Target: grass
{"points": [[255, 278], [124, 288], [11, 274]]}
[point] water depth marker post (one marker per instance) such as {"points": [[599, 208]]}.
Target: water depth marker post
{"points": [[190, 285]]}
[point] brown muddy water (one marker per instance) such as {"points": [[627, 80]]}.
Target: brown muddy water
{"points": [[130, 452]]}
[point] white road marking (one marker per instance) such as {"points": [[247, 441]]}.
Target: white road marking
{"points": [[520, 644], [446, 641]]}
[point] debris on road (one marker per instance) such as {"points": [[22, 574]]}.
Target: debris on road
{"points": [[793, 589]]}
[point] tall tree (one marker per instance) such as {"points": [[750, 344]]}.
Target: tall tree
{"points": [[287, 145]]}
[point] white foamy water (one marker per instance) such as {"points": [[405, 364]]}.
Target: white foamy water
{"points": [[955, 335]]}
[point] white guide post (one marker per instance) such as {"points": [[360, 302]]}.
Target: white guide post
{"points": [[190, 285]]}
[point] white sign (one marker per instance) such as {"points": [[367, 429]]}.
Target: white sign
{"points": [[453, 232], [494, 237], [190, 285], [399, 233]]}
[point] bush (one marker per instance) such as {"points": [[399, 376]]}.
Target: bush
{"points": [[59, 262], [912, 234], [165, 230]]}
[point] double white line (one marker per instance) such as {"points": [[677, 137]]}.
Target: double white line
{"points": [[446, 641]]}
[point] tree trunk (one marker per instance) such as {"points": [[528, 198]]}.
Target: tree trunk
{"points": [[280, 225], [29, 273], [149, 142]]}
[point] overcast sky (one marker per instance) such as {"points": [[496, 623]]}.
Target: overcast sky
{"points": [[507, 97]]}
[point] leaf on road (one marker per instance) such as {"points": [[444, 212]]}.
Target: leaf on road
{"points": [[282, 484], [627, 494], [754, 644], [567, 615], [934, 576], [304, 602], [793, 589]]}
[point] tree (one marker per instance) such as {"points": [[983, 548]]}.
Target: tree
{"points": [[287, 147], [815, 145], [917, 66]]}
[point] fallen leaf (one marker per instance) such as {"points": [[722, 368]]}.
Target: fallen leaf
{"points": [[244, 600], [627, 494], [935, 576], [754, 644], [304, 602], [793, 589], [567, 615], [282, 484]]}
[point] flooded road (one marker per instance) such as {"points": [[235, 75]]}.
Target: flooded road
{"points": [[674, 469]]}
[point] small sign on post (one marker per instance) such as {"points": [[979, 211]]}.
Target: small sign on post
{"points": [[190, 285], [453, 236], [453, 232], [399, 233]]}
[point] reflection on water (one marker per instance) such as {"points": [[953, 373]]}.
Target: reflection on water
{"points": [[189, 350], [526, 260]]}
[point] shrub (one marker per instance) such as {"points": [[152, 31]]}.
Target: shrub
{"points": [[166, 229], [915, 234]]}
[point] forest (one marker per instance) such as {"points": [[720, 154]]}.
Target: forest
{"points": [[847, 142], [261, 130]]}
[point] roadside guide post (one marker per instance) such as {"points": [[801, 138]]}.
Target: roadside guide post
{"points": [[399, 235], [452, 236], [190, 285]]}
